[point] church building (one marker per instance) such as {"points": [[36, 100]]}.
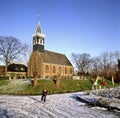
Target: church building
{"points": [[45, 63]]}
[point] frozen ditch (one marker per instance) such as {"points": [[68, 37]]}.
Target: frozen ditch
{"points": [[56, 106]]}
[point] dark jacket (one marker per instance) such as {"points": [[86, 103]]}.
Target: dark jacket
{"points": [[44, 93]]}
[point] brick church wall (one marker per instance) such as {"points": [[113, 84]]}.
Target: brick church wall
{"points": [[35, 64], [51, 70]]}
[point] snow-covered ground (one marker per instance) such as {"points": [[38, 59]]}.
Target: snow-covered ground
{"points": [[56, 106], [107, 98]]}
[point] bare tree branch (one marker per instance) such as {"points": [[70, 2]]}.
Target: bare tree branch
{"points": [[10, 49]]}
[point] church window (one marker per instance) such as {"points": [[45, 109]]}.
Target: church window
{"points": [[60, 70], [47, 69], [54, 69], [65, 70], [70, 70]]}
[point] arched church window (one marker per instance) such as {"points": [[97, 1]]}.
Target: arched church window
{"points": [[65, 70], [60, 69], [71, 70], [54, 69], [47, 69]]}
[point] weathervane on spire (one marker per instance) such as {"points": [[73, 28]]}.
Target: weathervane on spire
{"points": [[39, 18]]}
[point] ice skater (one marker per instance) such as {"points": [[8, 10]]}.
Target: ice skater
{"points": [[44, 94]]}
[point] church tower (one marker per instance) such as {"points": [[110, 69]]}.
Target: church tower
{"points": [[45, 63], [38, 40]]}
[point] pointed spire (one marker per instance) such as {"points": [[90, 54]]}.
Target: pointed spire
{"points": [[38, 31], [38, 28]]}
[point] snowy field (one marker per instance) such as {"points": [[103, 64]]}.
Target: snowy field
{"points": [[56, 106]]}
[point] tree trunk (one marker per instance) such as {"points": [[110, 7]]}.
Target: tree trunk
{"points": [[112, 80], [95, 84], [6, 70], [97, 79], [58, 80], [35, 79]]}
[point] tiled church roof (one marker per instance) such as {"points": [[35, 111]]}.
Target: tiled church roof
{"points": [[56, 58]]}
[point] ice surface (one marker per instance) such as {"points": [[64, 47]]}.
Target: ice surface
{"points": [[56, 106]]}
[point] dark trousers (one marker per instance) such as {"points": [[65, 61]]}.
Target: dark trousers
{"points": [[43, 98]]}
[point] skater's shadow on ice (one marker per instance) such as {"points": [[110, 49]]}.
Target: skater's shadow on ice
{"points": [[34, 99]]}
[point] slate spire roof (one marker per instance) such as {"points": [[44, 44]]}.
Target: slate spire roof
{"points": [[38, 30]]}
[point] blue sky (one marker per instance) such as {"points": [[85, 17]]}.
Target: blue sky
{"points": [[70, 26]]}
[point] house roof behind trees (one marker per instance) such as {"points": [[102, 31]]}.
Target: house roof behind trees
{"points": [[17, 68]]}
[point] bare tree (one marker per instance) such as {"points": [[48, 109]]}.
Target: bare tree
{"points": [[10, 49], [35, 75], [108, 63], [117, 55], [105, 65], [82, 61], [95, 67], [75, 60], [58, 80], [25, 55]]}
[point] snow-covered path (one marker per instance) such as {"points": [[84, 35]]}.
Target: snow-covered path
{"points": [[56, 106]]}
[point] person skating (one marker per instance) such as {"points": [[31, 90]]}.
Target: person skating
{"points": [[44, 94]]}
